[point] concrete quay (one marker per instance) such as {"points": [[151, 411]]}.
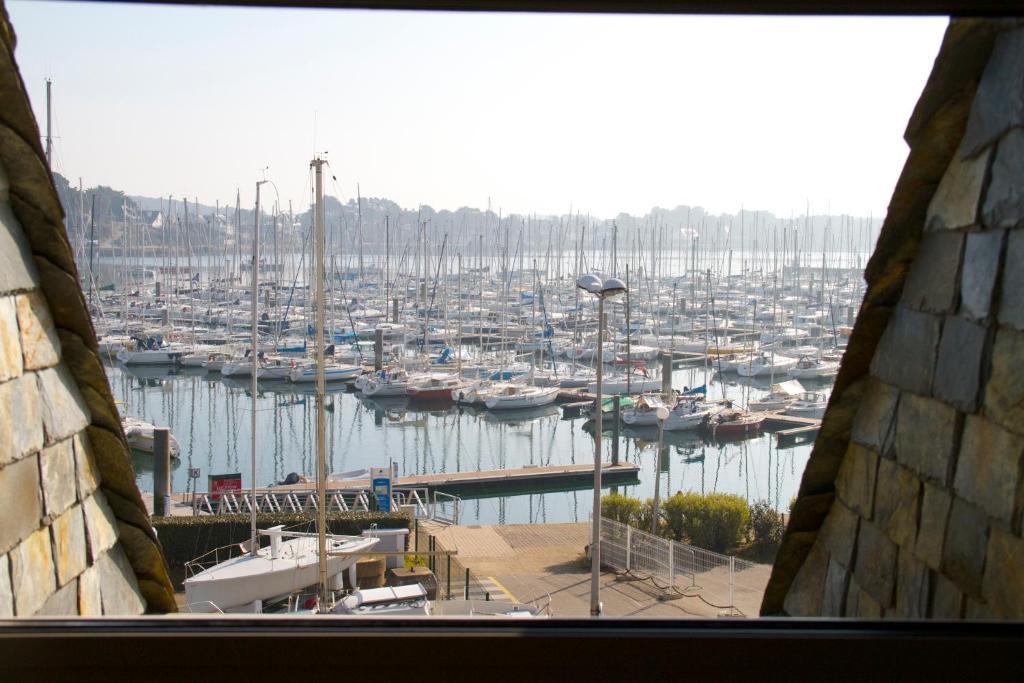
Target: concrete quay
{"points": [[531, 562]]}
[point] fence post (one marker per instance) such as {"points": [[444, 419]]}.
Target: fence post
{"points": [[448, 573], [617, 419], [466, 589], [629, 545], [732, 572], [671, 563]]}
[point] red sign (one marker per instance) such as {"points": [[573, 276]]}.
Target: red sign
{"points": [[224, 483]]}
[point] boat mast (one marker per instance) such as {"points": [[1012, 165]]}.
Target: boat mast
{"points": [[321, 382], [254, 537], [49, 122]]}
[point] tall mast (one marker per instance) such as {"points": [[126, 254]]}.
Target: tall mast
{"points": [[49, 123], [359, 228], [254, 540], [321, 383]]}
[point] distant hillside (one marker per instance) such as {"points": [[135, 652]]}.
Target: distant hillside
{"points": [[377, 219]]}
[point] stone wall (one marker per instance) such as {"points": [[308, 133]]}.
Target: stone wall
{"points": [[929, 497], [59, 550]]}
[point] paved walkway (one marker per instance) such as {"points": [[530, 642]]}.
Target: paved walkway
{"points": [[535, 563]]}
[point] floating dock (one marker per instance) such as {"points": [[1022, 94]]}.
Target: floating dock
{"points": [[549, 477], [790, 429]]}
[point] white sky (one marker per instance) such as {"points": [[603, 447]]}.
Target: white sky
{"points": [[535, 112]]}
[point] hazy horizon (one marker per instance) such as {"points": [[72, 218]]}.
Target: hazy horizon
{"points": [[532, 113]]}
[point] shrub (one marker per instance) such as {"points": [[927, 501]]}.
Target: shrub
{"points": [[766, 525], [622, 509], [644, 515], [716, 521], [185, 538]]}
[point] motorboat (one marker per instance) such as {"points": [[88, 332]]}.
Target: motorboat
{"points": [[734, 423], [139, 435], [275, 367], [515, 396], [238, 366], [197, 357], [390, 601], [150, 354], [385, 382], [644, 412], [779, 398], [412, 601], [216, 360], [436, 387], [689, 414], [808, 404], [243, 582]]}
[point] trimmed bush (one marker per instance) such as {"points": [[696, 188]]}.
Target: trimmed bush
{"points": [[646, 513], [766, 526], [622, 509], [185, 538], [716, 521]]}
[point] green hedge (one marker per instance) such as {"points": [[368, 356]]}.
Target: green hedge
{"points": [[186, 538], [766, 526], [716, 521], [620, 508]]}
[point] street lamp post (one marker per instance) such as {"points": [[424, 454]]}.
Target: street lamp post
{"points": [[602, 289]]}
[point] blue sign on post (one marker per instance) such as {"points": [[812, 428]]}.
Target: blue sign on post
{"points": [[380, 482]]}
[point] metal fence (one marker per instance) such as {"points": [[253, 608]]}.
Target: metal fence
{"points": [[679, 569], [416, 500]]}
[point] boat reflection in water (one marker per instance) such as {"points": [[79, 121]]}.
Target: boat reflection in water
{"points": [[209, 415]]}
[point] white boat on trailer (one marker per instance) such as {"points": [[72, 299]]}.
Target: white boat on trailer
{"points": [[290, 563]]}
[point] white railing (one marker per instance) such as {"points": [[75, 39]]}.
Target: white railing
{"points": [[678, 569], [417, 501], [445, 508]]}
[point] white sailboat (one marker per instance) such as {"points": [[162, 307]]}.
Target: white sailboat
{"points": [[765, 364], [519, 396], [333, 373], [814, 368]]}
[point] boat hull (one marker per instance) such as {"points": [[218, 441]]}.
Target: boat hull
{"points": [[239, 582]]}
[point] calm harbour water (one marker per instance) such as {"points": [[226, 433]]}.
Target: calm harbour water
{"points": [[210, 417]]}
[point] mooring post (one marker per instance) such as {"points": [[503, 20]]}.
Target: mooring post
{"points": [[666, 375], [617, 419], [394, 310], [161, 472], [466, 588], [378, 349]]}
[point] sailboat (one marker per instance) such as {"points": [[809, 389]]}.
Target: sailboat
{"points": [[288, 564]]}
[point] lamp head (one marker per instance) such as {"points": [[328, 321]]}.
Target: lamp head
{"points": [[590, 283], [612, 286]]}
